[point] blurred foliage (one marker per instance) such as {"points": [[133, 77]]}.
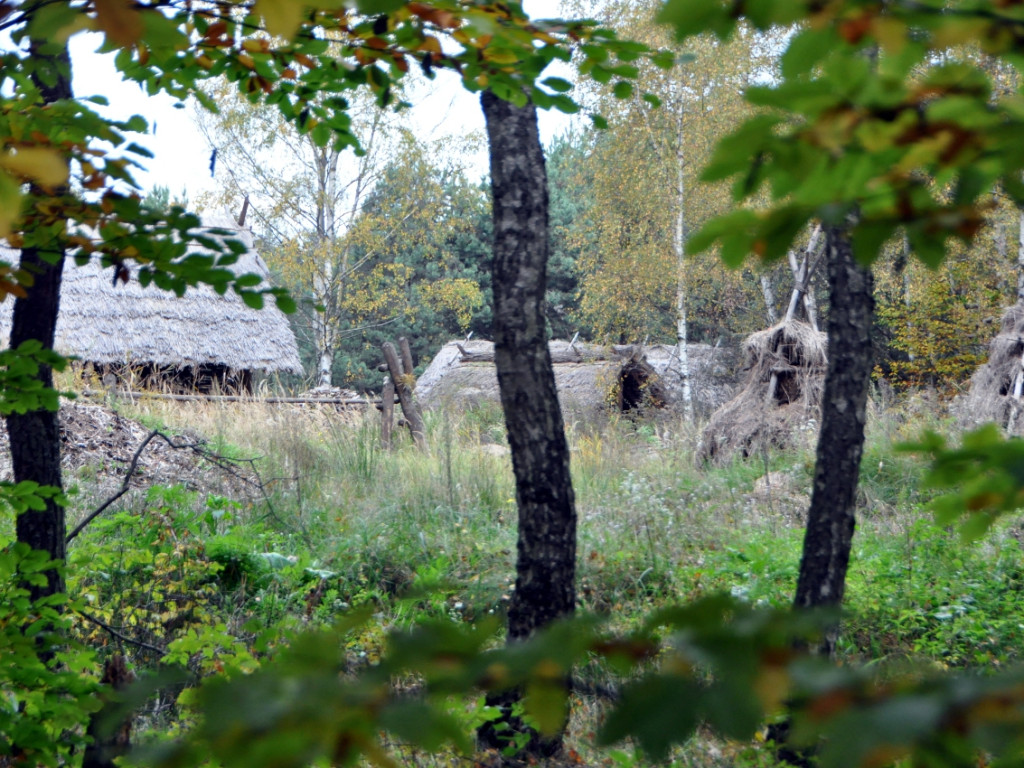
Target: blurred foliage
{"points": [[48, 687]]}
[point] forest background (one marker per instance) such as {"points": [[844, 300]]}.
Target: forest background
{"points": [[396, 242]]}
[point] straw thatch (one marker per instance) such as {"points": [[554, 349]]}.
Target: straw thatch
{"points": [[997, 386], [110, 323], [589, 377], [763, 414]]}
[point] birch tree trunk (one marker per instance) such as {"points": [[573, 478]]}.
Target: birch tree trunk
{"points": [[546, 546], [831, 519], [1020, 255], [769, 299], [679, 244]]}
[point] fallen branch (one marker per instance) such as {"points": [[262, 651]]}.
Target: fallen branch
{"points": [[121, 491], [119, 636], [224, 463]]}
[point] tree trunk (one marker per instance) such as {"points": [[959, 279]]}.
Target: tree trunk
{"points": [[679, 244], [768, 294], [325, 358], [35, 436], [831, 520], [1020, 255], [546, 548]]}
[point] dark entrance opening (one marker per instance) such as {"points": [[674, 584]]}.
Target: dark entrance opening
{"points": [[639, 387]]}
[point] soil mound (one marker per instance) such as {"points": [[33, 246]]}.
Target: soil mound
{"points": [[98, 447]]}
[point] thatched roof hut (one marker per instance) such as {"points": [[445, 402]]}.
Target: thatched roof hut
{"points": [[201, 336], [780, 397], [589, 377], [997, 387]]}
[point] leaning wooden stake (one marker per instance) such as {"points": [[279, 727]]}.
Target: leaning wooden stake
{"points": [[407, 366], [801, 288], [404, 392], [387, 412]]}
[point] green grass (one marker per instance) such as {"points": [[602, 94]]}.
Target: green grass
{"points": [[409, 533]]}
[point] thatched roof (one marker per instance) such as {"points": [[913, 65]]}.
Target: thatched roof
{"points": [[780, 397], [107, 322], [991, 396], [588, 376]]}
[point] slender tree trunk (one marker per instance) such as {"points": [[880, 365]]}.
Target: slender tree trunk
{"points": [[34, 436], [831, 519], [546, 547], [325, 358], [1020, 255], [679, 244], [768, 293]]}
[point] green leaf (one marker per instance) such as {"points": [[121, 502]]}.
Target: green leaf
{"points": [[48, 19], [282, 18], [252, 299], [719, 228], [868, 238], [285, 303], [806, 49], [422, 725], [658, 711], [623, 89], [557, 84], [664, 59], [692, 17], [548, 704]]}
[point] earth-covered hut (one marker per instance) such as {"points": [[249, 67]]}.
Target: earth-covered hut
{"points": [[589, 377], [146, 336]]}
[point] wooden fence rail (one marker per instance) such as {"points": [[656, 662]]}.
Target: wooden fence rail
{"points": [[93, 393]]}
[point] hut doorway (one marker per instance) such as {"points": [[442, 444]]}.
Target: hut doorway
{"points": [[639, 387]]}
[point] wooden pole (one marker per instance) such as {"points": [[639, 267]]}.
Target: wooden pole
{"points": [[407, 367], [387, 412], [409, 408]]}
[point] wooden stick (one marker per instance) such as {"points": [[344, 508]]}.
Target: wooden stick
{"points": [[412, 413], [407, 367], [387, 412]]}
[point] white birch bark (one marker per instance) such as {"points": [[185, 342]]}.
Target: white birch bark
{"points": [[1020, 256], [331, 279], [326, 161], [680, 249], [769, 299]]}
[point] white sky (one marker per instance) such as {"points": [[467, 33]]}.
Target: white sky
{"points": [[182, 156]]}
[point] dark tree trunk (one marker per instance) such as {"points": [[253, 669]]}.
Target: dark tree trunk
{"points": [[831, 520], [34, 436], [546, 548]]}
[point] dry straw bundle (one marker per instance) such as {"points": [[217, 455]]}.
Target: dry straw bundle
{"points": [[780, 396], [997, 387]]}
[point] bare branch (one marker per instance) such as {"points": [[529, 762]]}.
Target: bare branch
{"points": [[121, 491], [119, 636]]}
